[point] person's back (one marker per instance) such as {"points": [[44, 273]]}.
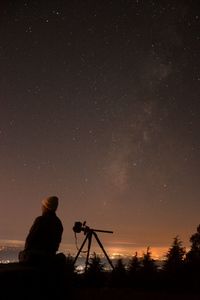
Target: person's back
{"points": [[45, 235]]}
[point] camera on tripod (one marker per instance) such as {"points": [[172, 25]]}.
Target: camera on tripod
{"points": [[89, 232]]}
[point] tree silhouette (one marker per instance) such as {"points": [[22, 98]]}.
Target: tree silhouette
{"points": [[195, 240], [134, 264], [95, 264], [175, 257], [193, 256], [148, 270], [119, 273], [173, 267], [95, 271], [134, 268], [148, 262]]}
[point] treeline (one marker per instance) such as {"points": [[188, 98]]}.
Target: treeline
{"points": [[180, 270]]}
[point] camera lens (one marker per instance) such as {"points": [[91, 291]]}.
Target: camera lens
{"points": [[77, 227]]}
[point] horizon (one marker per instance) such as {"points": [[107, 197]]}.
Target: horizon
{"points": [[114, 251]]}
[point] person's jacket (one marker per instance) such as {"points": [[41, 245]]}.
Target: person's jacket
{"points": [[45, 234]]}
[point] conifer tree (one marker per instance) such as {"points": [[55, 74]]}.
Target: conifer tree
{"points": [[148, 262], [175, 256], [193, 256], [148, 270], [95, 271], [134, 268], [195, 240], [119, 272], [134, 264], [120, 266], [95, 264]]}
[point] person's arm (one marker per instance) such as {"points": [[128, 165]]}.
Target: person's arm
{"points": [[58, 236], [33, 232]]}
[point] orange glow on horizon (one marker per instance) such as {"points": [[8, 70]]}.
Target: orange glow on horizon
{"points": [[117, 250], [156, 252]]}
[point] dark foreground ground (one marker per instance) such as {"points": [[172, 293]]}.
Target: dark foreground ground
{"points": [[27, 283], [128, 293], [98, 294]]}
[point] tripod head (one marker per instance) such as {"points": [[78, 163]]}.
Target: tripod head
{"points": [[78, 227]]}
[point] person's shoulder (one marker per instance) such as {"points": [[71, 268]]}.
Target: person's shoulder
{"points": [[38, 219]]}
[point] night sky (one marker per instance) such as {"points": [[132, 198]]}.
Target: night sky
{"points": [[100, 105]]}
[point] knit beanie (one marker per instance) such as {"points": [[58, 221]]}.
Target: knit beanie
{"points": [[50, 203]]}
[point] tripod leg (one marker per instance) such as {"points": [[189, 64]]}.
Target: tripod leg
{"points": [[89, 246], [100, 244], [81, 248]]}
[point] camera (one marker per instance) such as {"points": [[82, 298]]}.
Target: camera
{"points": [[78, 227]]}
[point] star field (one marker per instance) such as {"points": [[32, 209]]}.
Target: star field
{"points": [[100, 106]]}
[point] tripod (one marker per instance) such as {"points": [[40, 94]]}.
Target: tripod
{"points": [[89, 234]]}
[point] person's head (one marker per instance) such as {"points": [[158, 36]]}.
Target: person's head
{"points": [[50, 203]]}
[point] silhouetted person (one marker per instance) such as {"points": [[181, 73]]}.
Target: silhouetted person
{"points": [[44, 237]]}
